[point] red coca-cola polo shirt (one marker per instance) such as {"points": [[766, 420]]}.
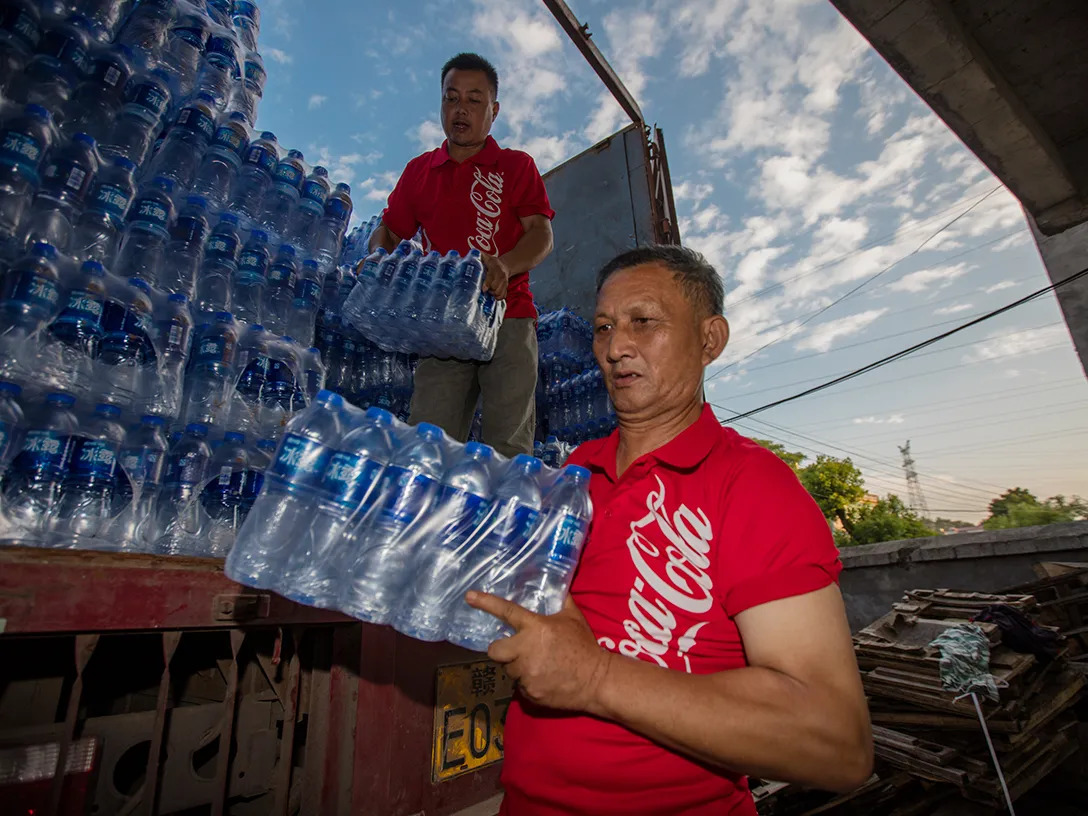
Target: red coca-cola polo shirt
{"points": [[476, 204], [706, 526]]}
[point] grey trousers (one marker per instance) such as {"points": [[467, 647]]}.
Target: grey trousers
{"points": [[446, 391]]}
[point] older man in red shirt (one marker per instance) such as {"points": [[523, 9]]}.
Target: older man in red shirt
{"points": [[705, 637], [471, 194]]}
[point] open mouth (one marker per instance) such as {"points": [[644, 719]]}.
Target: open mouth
{"points": [[624, 379], [460, 127]]}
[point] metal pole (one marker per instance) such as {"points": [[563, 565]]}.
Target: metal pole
{"points": [[993, 754]]}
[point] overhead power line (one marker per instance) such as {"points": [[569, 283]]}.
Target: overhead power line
{"points": [[891, 358]]}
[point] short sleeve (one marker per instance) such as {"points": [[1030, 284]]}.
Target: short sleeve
{"points": [[777, 543], [399, 213], [532, 197]]}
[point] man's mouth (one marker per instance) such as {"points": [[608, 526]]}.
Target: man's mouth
{"points": [[460, 127], [622, 379]]}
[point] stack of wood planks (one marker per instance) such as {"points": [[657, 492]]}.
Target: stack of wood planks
{"points": [[1062, 595], [930, 750]]}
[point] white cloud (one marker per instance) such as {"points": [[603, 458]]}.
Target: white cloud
{"points": [[929, 280], [823, 337], [633, 38], [891, 419], [547, 151], [693, 191], [378, 188], [316, 101], [428, 134], [997, 287], [1017, 344], [277, 55], [955, 308]]}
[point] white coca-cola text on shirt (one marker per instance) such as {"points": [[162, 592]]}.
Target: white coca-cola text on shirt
{"points": [[670, 553], [486, 197]]}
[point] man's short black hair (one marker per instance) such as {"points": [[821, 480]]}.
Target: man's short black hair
{"points": [[700, 281], [467, 61]]}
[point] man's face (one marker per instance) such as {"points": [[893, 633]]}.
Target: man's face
{"points": [[651, 342], [468, 107]]}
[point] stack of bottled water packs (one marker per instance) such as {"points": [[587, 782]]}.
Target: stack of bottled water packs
{"points": [[163, 271], [392, 524], [573, 405], [431, 305]]}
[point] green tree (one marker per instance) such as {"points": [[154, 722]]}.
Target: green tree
{"points": [[835, 484], [1031, 512], [888, 520], [791, 458], [943, 524], [1017, 495]]}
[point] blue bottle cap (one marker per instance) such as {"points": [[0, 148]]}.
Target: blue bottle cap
{"points": [[343, 188], [479, 450], [85, 139], [228, 218], [161, 75], [317, 171], [473, 253], [124, 163], [178, 297], [105, 409], [140, 284], [310, 263], [237, 116], [234, 436], [197, 201], [379, 415], [259, 235], [295, 154], [43, 249], [266, 444], [286, 338], [577, 471], [12, 388], [313, 350], [152, 420], [223, 317], [287, 249], [325, 395], [64, 400], [256, 327], [198, 428], [529, 463], [37, 111], [268, 135], [164, 182], [432, 433], [94, 269]]}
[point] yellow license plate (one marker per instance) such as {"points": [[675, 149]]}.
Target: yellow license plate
{"points": [[469, 714]]}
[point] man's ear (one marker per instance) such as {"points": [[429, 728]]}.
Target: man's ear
{"points": [[494, 111], [715, 338]]}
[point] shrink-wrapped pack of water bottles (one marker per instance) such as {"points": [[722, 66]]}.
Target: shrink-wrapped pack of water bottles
{"points": [[392, 524]]}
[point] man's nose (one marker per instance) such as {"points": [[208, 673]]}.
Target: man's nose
{"points": [[620, 345]]}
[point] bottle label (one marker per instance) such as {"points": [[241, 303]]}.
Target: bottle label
{"points": [[66, 49], [464, 511], [44, 454], [21, 149], [186, 470], [253, 264], [337, 210], [222, 47], [255, 73], [289, 174], [349, 479], [153, 216], [519, 526], [126, 332], [83, 308], [67, 177], [280, 378], [219, 244], [315, 192], [261, 156], [143, 466], [252, 483], [301, 461], [308, 291], [189, 230], [194, 35], [406, 494], [111, 200], [214, 350], [282, 276], [196, 121], [93, 460], [567, 539], [110, 75], [349, 346], [18, 22], [147, 98], [39, 292], [174, 335], [230, 139]]}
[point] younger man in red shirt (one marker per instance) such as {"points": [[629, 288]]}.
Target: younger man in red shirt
{"points": [[471, 194]]}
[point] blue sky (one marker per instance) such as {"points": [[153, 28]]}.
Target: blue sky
{"points": [[803, 166]]}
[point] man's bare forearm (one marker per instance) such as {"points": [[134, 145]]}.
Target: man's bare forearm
{"points": [[532, 248], [751, 720], [383, 237]]}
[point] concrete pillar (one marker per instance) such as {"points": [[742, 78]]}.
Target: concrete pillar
{"points": [[1063, 255]]}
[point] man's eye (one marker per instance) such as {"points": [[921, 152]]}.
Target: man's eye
{"points": [[602, 328]]}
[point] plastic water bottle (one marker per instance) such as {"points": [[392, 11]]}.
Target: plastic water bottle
{"points": [[25, 137], [255, 177], [36, 476], [221, 497], [434, 308], [30, 296], [251, 279], [330, 229], [20, 32], [260, 459], [348, 491], [281, 200], [184, 51], [212, 370], [139, 478], [247, 94], [282, 278], [567, 510], [104, 16], [220, 66], [213, 286], [97, 230], [126, 346], [282, 396], [183, 149], [174, 334], [311, 206], [97, 99], [435, 589], [219, 167], [147, 98], [177, 514], [145, 28], [86, 502], [421, 287], [66, 180], [147, 229], [247, 22], [70, 345], [380, 550], [313, 373], [495, 560], [466, 291], [185, 249], [287, 499], [253, 353], [11, 421], [306, 303], [56, 68]]}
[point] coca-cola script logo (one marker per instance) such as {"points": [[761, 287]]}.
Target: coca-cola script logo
{"points": [[486, 197], [670, 553]]}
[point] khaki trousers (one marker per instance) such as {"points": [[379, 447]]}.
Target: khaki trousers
{"points": [[446, 391]]}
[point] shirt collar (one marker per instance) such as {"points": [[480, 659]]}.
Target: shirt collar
{"points": [[489, 154], [683, 452]]}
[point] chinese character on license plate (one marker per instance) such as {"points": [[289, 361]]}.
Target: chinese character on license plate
{"points": [[469, 714]]}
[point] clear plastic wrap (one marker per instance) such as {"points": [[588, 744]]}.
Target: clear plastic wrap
{"points": [[392, 524]]}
